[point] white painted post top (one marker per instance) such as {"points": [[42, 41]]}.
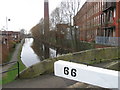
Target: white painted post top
{"points": [[87, 74]]}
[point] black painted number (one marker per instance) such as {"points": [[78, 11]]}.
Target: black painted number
{"points": [[73, 71], [66, 70]]}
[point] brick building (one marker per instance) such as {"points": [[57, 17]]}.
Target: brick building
{"points": [[99, 22]]}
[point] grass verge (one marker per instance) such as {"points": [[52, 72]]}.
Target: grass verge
{"points": [[10, 76]]}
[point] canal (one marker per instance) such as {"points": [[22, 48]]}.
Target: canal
{"points": [[34, 52]]}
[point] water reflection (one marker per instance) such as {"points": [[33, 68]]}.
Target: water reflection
{"points": [[34, 52], [43, 51], [28, 56]]}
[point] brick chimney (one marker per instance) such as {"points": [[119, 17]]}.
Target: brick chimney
{"points": [[46, 27], [46, 16]]}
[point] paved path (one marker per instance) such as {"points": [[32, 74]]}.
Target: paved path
{"points": [[44, 81], [14, 57]]}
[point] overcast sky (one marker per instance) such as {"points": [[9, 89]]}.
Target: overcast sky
{"points": [[23, 13]]}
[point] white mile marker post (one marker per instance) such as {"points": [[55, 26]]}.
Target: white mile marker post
{"points": [[88, 74]]}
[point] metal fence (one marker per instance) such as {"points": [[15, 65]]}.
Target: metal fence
{"points": [[112, 41], [16, 68]]}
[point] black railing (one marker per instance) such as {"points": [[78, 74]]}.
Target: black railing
{"points": [[16, 68]]}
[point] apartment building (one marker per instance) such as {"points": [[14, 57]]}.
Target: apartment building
{"points": [[99, 22]]}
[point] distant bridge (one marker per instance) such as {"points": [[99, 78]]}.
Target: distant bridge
{"points": [[28, 36]]}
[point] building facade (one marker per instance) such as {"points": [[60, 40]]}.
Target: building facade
{"points": [[99, 22]]}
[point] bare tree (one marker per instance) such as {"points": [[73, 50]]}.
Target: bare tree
{"points": [[68, 9], [38, 30], [56, 17], [64, 15], [65, 12]]}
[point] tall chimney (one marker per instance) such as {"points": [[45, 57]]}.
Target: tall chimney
{"points": [[46, 28], [46, 17]]}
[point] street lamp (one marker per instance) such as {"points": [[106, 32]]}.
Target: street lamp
{"points": [[7, 31]]}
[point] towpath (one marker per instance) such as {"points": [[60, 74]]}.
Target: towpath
{"points": [[14, 57], [44, 81]]}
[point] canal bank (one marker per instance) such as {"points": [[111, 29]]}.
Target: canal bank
{"points": [[14, 57], [10, 76], [91, 57]]}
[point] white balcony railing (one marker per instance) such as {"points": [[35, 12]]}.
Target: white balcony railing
{"points": [[112, 41]]}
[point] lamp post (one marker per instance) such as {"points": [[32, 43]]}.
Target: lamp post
{"points": [[7, 32]]}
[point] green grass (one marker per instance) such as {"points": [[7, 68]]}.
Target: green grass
{"points": [[10, 76], [0, 80]]}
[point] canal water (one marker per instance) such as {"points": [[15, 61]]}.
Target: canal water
{"points": [[34, 52]]}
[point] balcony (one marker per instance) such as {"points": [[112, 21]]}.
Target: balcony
{"points": [[108, 23], [111, 41], [109, 5]]}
